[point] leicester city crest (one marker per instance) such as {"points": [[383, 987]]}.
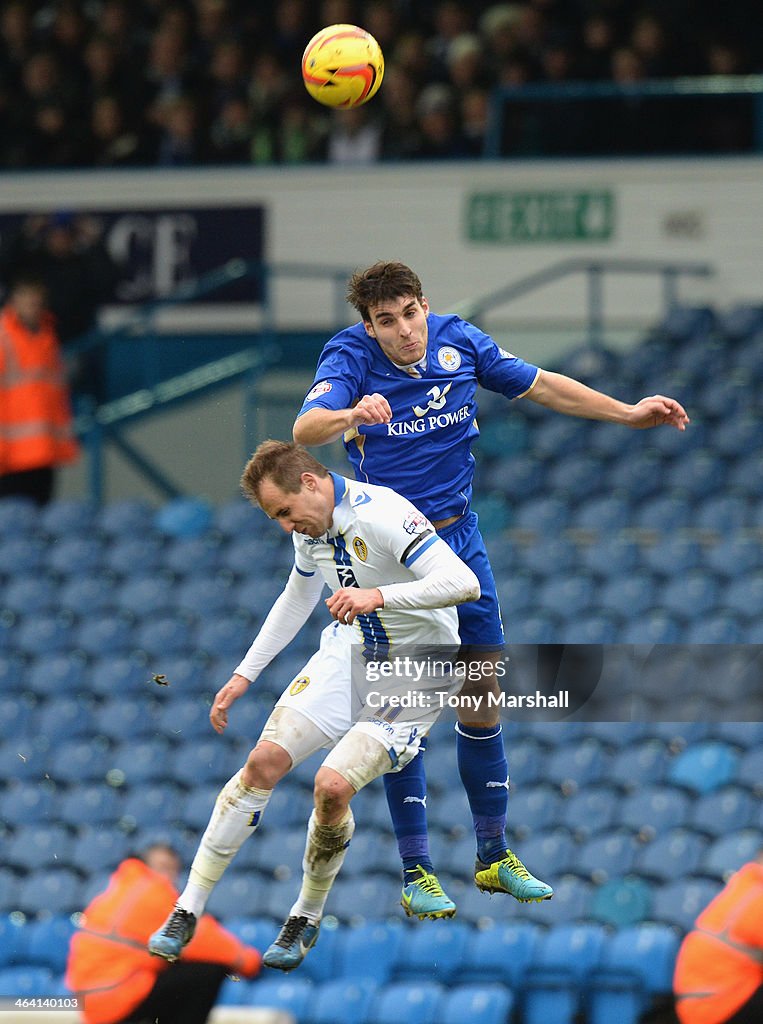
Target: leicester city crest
{"points": [[449, 358]]}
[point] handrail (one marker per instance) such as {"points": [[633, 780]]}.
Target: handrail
{"points": [[595, 269], [658, 88]]}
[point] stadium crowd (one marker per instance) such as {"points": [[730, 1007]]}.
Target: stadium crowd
{"points": [[110, 83]]}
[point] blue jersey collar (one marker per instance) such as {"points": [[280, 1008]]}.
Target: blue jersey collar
{"points": [[340, 488]]}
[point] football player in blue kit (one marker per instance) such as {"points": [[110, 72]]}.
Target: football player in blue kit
{"points": [[400, 388]]}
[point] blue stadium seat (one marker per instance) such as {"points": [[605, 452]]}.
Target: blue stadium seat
{"points": [[279, 853], [668, 513], [533, 626], [684, 323], [181, 718], [602, 515], [50, 633], [477, 1004], [208, 761], [730, 852], [741, 734], [54, 890], [740, 322], [408, 1000], [291, 994], [501, 953], [133, 556], [611, 556], [18, 516], [557, 555], [99, 849], [518, 473], [195, 809], [22, 555], [639, 764], [241, 892], [46, 942], [372, 851], [144, 805], [234, 991], [606, 855], [31, 595], [195, 675], [568, 953], [75, 761], [627, 596], [549, 853], [105, 635], [532, 808], [581, 476], [61, 718], [655, 627], [369, 951], [729, 397], [750, 772], [27, 803], [25, 981], [129, 517], [237, 518], [700, 472], [19, 718], [621, 902], [744, 595], [164, 636], [679, 902], [567, 597], [225, 636], [705, 766], [51, 675], [672, 854], [441, 947], [693, 594], [571, 902], [734, 436], [557, 1001], [67, 516], [147, 597], [192, 556], [592, 809], [127, 718], [13, 934], [357, 901], [717, 627], [652, 809], [343, 1001], [578, 764], [76, 556], [205, 596], [87, 596], [13, 670], [543, 516], [273, 557], [98, 804], [723, 514], [527, 761], [746, 477], [38, 846], [21, 760], [672, 556], [648, 951], [616, 998]]}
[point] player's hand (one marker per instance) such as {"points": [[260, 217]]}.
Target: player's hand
{"points": [[348, 602], [656, 411], [371, 409], [235, 687]]}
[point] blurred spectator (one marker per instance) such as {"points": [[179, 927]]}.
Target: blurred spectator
{"points": [[599, 40], [231, 133], [719, 970], [465, 61], [441, 137], [113, 974], [227, 75], [401, 137], [297, 135], [474, 119], [112, 142], [354, 137], [36, 433], [649, 42], [181, 140]]}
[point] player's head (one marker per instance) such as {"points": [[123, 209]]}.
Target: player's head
{"points": [[290, 486], [393, 308]]}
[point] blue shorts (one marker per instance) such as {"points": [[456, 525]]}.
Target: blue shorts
{"points": [[479, 622]]}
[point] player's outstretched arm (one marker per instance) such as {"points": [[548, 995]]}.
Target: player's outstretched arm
{"points": [[321, 426], [236, 687], [569, 396]]}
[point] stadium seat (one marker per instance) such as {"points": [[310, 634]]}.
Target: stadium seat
{"points": [[137, 556], [200, 763], [54, 891], [18, 516], [741, 734], [567, 596], [532, 808], [50, 633], [602, 515], [750, 772], [694, 593], [639, 764], [13, 933], [723, 514], [278, 852], [568, 952], [621, 902], [578, 764], [104, 635], [746, 477], [74, 761], [46, 942], [126, 518], [744, 595], [87, 596], [342, 1001], [31, 595], [18, 717], [611, 556], [679, 902], [164, 636], [196, 807], [206, 596], [730, 852], [647, 950], [717, 627], [369, 951], [554, 435], [700, 472], [147, 597], [25, 981], [13, 670], [672, 556], [590, 810], [571, 902], [672, 854], [192, 557], [181, 718], [682, 323], [144, 805], [76, 556], [293, 995], [38, 846], [517, 473], [61, 718], [99, 849], [438, 950], [477, 1004], [606, 855], [127, 718], [734, 436], [357, 901], [533, 627], [234, 991], [236, 518], [501, 953], [544, 516], [407, 1000], [27, 803], [704, 767], [21, 760], [241, 892], [740, 322], [225, 636], [581, 476], [639, 475], [377, 851], [655, 627], [664, 514], [651, 809], [52, 675], [320, 965], [98, 805], [628, 596]]}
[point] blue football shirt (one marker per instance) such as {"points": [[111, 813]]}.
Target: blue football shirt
{"points": [[424, 453]]}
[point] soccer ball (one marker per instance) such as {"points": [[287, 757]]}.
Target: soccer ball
{"points": [[342, 66]]}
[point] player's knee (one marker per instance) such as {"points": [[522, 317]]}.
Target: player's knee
{"points": [[266, 765], [332, 793]]}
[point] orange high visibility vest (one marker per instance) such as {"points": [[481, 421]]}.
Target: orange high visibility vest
{"points": [[720, 962], [109, 967], [35, 416]]}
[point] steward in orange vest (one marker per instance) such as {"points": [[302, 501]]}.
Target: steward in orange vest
{"points": [[719, 971], [36, 431], [114, 975]]}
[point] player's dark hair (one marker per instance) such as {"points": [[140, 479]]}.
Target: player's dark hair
{"points": [[282, 462], [380, 283]]}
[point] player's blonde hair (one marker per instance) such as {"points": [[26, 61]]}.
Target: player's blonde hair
{"points": [[283, 462], [380, 283]]}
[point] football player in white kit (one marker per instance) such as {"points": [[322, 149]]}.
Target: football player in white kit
{"points": [[394, 585]]}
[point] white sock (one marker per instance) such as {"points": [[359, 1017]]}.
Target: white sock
{"points": [[325, 851], [236, 815]]}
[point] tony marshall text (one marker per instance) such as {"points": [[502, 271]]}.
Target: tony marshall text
{"points": [[443, 699]]}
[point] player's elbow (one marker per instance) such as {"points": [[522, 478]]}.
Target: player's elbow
{"points": [[298, 432], [470, 588]]}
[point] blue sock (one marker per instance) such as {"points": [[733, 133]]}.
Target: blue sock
{"points": [[485, 777], [406, 796]]}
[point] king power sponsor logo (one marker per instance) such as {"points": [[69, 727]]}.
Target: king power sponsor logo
{"points": [[436, 420]]}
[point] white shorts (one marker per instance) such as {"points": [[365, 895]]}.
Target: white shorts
{"points": [[323, 693]]}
